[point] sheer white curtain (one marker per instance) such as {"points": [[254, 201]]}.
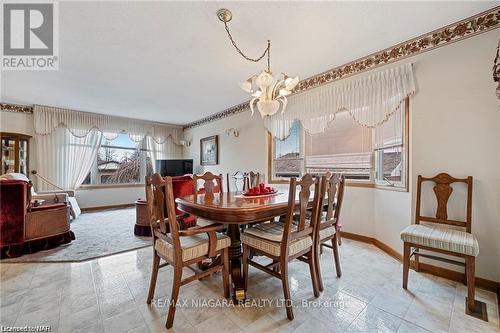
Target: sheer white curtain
{"points": [[65, 157], [166, 150]]}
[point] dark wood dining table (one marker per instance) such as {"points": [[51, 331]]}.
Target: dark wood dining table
{"points": [[234, 210]]}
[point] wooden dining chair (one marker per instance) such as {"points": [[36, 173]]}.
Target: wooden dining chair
{"points": [[237, 180], [435, 236], [285, 241], [182, 248], [332, 192], [211, 183]]}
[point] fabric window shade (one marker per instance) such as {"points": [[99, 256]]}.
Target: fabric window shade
{"points": [[370, 99], [68, 142], [390, 133], [47, 119]]}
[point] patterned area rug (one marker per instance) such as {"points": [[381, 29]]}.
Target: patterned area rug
{"points": [[98, 234]]}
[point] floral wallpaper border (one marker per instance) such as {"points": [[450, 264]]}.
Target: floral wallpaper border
{"points": [[16, 108], [466, 28]]}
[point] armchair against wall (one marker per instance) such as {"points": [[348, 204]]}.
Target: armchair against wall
{"points": [[24, 228]]}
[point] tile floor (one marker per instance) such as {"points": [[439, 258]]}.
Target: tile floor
{"points": [[108, 295]]}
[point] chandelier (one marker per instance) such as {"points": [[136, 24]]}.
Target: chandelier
{"points": [[268, 92]]}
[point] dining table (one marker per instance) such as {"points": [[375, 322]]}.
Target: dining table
{"points": [[234, 210]]}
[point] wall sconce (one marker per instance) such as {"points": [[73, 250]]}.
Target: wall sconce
{"points": [[185, 143], [233, 132]]}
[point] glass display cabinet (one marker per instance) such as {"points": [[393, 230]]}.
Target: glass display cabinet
{"points": [[15, 153]]}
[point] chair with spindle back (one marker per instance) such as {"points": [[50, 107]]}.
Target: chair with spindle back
{"points": [[436, 237], [182, 248], [284, 241], [326, 231], [252, 179], [237, 180]]}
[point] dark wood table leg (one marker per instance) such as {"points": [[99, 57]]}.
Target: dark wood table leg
{"points": [[239, 292]]}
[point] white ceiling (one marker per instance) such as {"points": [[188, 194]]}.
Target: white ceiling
{"points": [[172, 61]]}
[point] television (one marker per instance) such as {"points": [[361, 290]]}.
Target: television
{"points": [[174, 167]]}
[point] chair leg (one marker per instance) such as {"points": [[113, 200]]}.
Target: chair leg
{"points": [[225, 272], [176, 285], [286, 288], [244, 260], [313, 269], [470, 283], [154, 276], [417, 268], [319, 277], [336, 256], [406, 264], [339, 238]]}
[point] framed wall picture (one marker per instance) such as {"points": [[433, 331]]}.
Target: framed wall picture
{"points": [[209, 150]]}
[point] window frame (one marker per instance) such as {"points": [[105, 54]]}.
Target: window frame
{"points": [[140, 148], [372, 182]]}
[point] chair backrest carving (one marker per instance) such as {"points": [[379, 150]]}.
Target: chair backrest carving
{"points": [[209, 187], [303, 226], [443, 191]]}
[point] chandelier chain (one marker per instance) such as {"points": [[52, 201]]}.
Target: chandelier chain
{"points": [[266, 51]]}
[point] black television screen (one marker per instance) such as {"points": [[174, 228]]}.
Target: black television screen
{"points": [[174, 167]]}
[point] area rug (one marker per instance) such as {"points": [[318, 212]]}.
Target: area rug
{"points": [[98, 234]]}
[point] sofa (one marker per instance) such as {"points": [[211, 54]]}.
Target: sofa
{"points": [[26, 227]]}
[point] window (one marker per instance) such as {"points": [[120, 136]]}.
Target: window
{"points": [[287, 159], [362, 154], [120, 161]]}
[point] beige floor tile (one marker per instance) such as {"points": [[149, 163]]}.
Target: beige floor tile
{"points": [[109, 295], [124, 322], [372, 319]]}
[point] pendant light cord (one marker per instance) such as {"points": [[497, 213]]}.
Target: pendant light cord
{"points": [[266, 51]]}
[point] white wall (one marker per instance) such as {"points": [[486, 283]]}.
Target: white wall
{"points": [[109, 196], [246, 152], [454, 128]]}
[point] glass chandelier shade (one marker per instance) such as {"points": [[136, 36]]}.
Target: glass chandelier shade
{"points": [[269, 93]]}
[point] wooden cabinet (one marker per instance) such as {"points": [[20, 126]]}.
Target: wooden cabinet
{"points": [[15, 153]]}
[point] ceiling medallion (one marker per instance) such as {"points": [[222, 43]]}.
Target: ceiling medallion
{"points": [[268, 92]]}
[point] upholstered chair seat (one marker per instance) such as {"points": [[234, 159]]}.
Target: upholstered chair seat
{"points": [[266, 237], [191, 246], [326, 233], [441, 238]]}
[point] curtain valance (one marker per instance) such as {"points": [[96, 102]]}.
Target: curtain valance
{"points": [[370, 99], [79, 123]]}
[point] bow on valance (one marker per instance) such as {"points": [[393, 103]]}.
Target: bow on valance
{"points": [[370, 100], [79, 123]]}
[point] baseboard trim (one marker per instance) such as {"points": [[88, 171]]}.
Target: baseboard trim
{"points": [[92, 209], [424, 267]]}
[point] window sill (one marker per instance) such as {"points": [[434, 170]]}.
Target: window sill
{"points": [[365, 184], [392, 188], [104, 186]]}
